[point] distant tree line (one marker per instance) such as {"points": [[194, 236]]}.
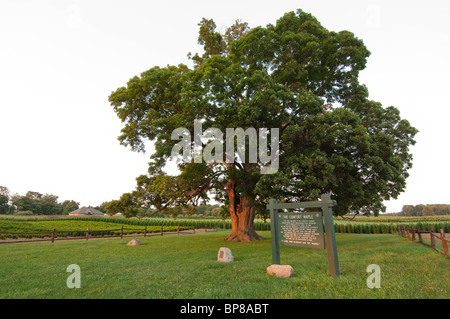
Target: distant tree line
{"points": [[425, 210], [34, 203], [128, 207], [131, 205]]}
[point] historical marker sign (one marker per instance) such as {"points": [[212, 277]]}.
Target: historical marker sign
{"points": [[304, 229], [301, 229]]}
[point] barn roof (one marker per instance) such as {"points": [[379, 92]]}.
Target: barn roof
{"points": [[86, 211]]}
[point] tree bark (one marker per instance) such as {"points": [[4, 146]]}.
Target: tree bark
{"points": [[242, 214]]}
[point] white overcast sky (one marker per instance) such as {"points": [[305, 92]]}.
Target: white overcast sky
{"points": [[60, 60]]}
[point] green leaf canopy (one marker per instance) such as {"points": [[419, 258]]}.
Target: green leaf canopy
{"points": [[295, 76]]}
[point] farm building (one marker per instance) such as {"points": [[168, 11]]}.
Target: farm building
{"points": [[86, 211]]}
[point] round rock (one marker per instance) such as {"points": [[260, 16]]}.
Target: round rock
{"points": [[134, 242], [282, 271]]}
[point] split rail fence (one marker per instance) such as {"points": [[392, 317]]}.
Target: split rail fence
{"points": [[53, 235], [411, 233]]}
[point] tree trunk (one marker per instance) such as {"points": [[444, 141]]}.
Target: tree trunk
{"points": [[242, 214]]}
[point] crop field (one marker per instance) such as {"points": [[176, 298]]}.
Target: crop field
{"points": [[72, 228], [40, 227], [359, 225]]}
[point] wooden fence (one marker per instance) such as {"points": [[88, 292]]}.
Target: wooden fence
{"points": [[411, 233], [52, 235]]}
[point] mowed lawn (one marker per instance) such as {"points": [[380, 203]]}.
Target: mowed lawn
{"points": [[185, 267]]}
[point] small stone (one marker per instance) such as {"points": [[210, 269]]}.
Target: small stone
{"points": [[225, 255], [281, 271], [134, 242]]}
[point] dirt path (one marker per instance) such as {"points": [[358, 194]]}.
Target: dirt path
{"points": [[427, 236], [36, 239]]}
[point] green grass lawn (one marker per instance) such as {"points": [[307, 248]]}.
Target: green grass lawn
{"points": [[185, 266]]}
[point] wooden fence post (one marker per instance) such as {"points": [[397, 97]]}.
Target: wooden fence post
{"points": [[87, 233], [145, 231], [420, 236], [161, 230], [444, 242], [121, 232], [53, 235], [205, 228], [178, 229], [413, 234], [432, 236]]}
